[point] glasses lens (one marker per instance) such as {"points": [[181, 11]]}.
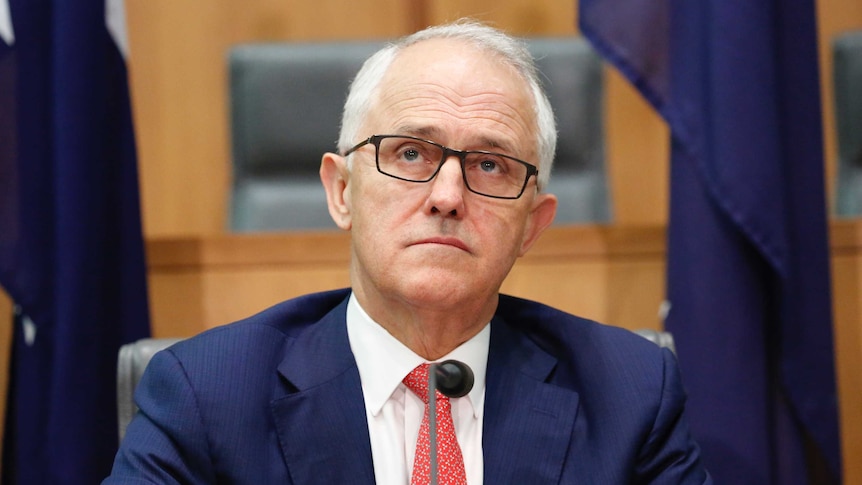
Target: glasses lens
{"points": [[494, 175], [415, 160], [408, 159]]}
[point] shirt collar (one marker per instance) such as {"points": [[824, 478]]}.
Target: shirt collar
{"points": [[383, 361]]}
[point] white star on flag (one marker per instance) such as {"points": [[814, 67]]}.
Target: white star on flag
{"points": [[115, 21], [6, 32]]}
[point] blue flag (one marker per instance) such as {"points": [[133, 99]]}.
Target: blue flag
{"points": [[748, 262], [71, 248]]}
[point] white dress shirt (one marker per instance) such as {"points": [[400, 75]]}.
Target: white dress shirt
{"points": [[395, 414]]}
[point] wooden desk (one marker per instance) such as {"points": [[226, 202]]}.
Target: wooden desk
{"points": [[846, 255], [201, 283], [612, 274]]}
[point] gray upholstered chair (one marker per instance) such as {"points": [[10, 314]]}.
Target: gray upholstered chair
{"points": [[286, 101], [572, 74], [847, 71], [131, 362]]}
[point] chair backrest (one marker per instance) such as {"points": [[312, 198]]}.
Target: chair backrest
{"points": [[131, 363], [286, 101], [847, 71], [573, 78]]}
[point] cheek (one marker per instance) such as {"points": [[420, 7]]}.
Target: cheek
{"points": [[502, 224], [382, 206], [498, 235]]}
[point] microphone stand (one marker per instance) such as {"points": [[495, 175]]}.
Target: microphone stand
{"points": [[432, 421], [454, 382]]}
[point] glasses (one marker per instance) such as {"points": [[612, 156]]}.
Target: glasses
{"points": [[416, 160]]}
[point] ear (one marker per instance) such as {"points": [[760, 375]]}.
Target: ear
{"points": [[541, 216], [335, 177]]}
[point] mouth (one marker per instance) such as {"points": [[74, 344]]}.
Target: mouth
{"points": [[443, 241]]}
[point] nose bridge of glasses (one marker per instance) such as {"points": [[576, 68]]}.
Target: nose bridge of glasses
{"points": [[448, 153], [460, 158], [457, 167]]}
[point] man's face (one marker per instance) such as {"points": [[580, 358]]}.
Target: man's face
{"points": [[435, 245]]}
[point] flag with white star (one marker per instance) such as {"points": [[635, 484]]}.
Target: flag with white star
{"points": [[71, 247]]}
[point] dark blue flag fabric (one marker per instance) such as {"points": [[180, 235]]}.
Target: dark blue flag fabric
{"points": [[748, 266], [71, 249]]}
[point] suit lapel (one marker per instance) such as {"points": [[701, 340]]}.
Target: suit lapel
{"points": [[528, 422], [320, 412]]}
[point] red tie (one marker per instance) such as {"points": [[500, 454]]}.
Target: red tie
{"points": [[450, 463]]}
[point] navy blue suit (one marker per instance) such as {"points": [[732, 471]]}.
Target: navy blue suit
{"points": [[276, 399]]}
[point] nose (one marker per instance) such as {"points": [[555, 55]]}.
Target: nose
{"points": [[447, 189]]}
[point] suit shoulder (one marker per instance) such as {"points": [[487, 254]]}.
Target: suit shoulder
{"points": [[271, 328], [546, 323], [579, 343]]}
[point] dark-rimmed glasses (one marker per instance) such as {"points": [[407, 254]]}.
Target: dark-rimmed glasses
{"points": [[416, 160]]}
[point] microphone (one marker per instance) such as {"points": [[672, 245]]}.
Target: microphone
{"points": [[453, 379]]}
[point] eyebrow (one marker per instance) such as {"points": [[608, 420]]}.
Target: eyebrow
{"points": [[433, 133], [429, 132]]}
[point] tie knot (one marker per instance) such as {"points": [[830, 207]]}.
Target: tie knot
{"points": [[417, 381]]}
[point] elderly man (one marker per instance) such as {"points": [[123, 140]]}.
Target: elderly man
{"points": [[446, 144]]}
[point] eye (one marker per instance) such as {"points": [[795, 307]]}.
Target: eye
{"points": [[410, 154], [485, 164], [489, 166]]}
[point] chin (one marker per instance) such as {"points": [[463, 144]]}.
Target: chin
{"points": [[442, 288]]}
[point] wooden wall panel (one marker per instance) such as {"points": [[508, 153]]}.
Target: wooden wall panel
{"points": [[179, 90], [638, 149], [198, 283], [5, 354], [521, 17], [570, 283], [189, 300], [847, 306]]}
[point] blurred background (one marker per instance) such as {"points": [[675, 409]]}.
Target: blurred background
{"points": [[201, 274], [179, 82]]}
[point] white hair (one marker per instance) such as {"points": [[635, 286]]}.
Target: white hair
{"points": [[511, 51]]}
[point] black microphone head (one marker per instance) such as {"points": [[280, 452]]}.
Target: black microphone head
{"points": [[454, 379]]}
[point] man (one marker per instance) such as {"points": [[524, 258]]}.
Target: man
{"points": [[311, 391]]}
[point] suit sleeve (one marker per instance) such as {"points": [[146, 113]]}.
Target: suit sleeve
{"points": [[670, 455], [166, 441]]}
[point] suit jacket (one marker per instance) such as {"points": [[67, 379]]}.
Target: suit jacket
{"points": [[276, 399]]}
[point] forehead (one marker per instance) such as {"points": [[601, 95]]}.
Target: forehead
{"points": [[457, 91]]}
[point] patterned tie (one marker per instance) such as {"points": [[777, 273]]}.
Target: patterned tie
{"points": [[450, 463]]}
